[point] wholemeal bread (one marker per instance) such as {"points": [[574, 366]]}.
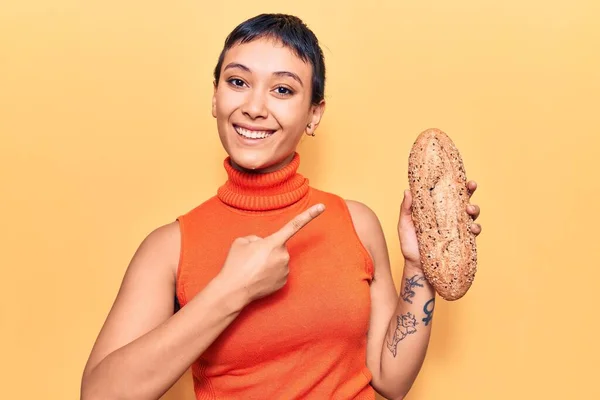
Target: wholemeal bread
{"points": [[438, 185]]}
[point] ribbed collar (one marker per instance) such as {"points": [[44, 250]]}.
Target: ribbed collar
{"points": [[263, 192]]}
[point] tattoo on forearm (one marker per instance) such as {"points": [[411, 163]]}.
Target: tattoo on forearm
{"points": [[407, 291], [428, 310], [405, 325]]}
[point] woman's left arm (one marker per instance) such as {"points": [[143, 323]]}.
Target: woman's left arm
{"points": [[400, 324]]}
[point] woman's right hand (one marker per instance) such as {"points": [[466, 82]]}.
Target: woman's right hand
{"points": [[259, 266]]}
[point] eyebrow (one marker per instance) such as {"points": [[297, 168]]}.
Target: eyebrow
{"points": [[277, 73]]}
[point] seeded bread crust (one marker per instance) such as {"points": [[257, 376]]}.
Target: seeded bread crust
{"points": [[438, 185]]}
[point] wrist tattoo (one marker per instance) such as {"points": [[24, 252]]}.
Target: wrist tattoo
{"points": [[409, 283], [405, 325], [428, 310]]}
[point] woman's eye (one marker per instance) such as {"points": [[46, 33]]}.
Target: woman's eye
{"points": [[236, 82], [283, 90]]}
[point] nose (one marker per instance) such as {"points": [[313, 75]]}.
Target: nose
{"points": [[255, 105]]}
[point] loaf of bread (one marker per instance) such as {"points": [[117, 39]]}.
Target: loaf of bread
{"points": [[438, 185]]}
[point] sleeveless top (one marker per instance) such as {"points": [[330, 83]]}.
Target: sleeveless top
{"points": [[306, 340]]}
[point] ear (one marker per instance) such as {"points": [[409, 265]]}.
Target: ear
{"points": [[214, 100], [316, 114]]}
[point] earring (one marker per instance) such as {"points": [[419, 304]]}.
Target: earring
{"points": [[309, 126]]}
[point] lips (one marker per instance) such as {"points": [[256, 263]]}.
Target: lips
{"points": [[252, 133]]}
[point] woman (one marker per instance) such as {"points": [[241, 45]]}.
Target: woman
{"points": [[285, 290]]}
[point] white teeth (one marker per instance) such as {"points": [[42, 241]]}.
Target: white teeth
{"points": [[252, 134]]}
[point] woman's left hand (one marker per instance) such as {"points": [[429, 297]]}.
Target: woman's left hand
{"points": [[407, 233]]}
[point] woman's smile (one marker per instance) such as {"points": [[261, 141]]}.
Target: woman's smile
{"points": [[253, 133]]}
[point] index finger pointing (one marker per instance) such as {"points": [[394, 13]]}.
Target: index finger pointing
{"points": [[296, 224]]}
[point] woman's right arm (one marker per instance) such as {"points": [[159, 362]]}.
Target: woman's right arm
{"points": [[143, 348]]}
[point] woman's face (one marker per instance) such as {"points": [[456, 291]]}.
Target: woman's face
{"points": [[262, 104]]}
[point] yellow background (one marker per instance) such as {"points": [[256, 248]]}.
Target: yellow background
{"points": [[106, 133]]}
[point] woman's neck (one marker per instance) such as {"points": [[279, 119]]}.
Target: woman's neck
{"points": [[271, 168], [264, 191]]}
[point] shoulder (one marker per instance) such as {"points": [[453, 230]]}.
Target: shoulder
{"points": [[368, 228], [165, 236], [365, 220], [162, 245], [370, 233], [363, 217]]}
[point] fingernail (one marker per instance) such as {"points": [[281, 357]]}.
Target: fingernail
{"points": [[320, 207]]}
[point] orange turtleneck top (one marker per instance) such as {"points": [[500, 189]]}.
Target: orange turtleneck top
{"points": [[308, 339]]}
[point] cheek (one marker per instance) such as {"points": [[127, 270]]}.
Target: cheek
{"points": [[291, 114], [227, 102]]}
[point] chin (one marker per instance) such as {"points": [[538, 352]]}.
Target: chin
{"points": [[261, 156], [251, 159]]}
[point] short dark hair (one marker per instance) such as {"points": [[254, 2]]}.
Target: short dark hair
{"points": [[293, 33]]}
